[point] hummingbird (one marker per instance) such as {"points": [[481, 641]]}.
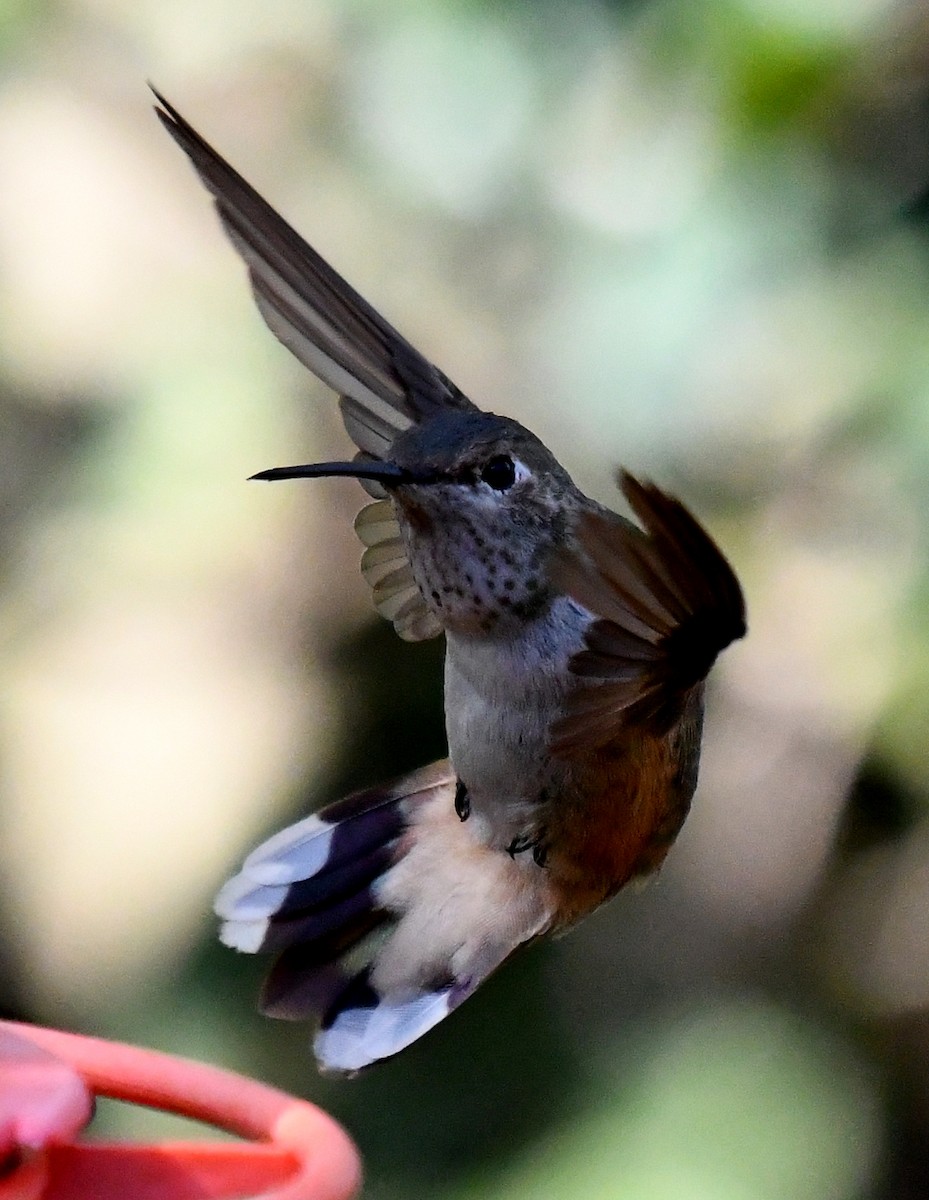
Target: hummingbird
{"points": [[577, 645]]}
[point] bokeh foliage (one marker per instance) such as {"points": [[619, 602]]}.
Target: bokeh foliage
{"points": [[685, 235]]}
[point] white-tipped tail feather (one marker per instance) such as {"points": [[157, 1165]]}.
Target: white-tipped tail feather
{"points": [[360, 1035], [395, 862]]}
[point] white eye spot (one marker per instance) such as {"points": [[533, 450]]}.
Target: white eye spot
{"points": [[522, 471]]}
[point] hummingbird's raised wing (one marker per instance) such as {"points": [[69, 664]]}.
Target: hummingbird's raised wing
{"points": [[384, 384], [666, 602]]}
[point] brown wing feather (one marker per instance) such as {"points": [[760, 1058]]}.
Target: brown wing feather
{"points": [[384, 384], [333, 330], [666, 602]]}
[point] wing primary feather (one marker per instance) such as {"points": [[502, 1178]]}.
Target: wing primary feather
{"points": [[665, 602], [308, 305], [384, 384]]}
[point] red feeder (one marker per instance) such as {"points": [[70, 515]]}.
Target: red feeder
{"points": [[47, 1083]]}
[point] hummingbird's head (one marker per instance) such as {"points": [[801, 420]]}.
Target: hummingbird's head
{"points": [[481, 504], [488, 505], [479, 460]]}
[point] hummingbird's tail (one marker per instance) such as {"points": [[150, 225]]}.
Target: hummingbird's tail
{"points": [[385, 913]]}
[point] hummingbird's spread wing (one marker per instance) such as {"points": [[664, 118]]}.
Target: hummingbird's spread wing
{"points": [[385, 385], [666, 602]]}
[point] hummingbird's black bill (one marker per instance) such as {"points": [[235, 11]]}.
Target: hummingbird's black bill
{"points": [[386, 473]]}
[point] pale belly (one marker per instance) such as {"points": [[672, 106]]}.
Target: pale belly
{"points": [[501, 696]]}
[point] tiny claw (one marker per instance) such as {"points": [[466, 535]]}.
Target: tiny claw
{"points": [[519, 844], [462, 801], [528, 841]]}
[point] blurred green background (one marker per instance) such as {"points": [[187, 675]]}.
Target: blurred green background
{"points": [[689, 236]]}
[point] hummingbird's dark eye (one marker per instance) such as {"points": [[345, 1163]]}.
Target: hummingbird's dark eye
{"points": [[499, 473]]}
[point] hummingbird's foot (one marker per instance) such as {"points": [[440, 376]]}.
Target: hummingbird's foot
{"points": [[520, 844], [462, 801], [529, 841]]}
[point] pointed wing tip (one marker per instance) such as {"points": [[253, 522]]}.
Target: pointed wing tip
{"points": [[180, 129], [165, 111], [643, 494]]}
